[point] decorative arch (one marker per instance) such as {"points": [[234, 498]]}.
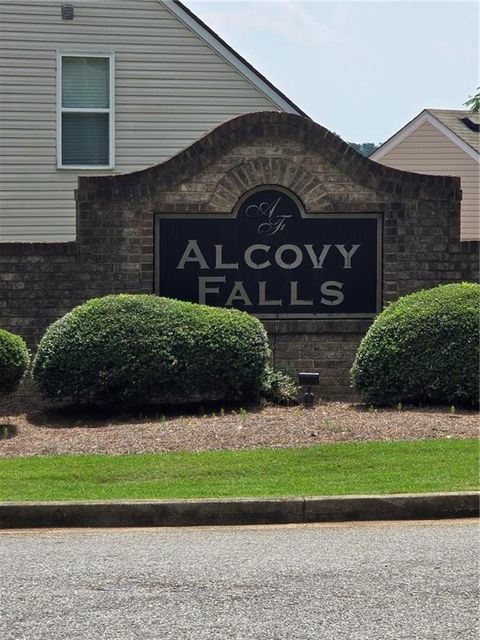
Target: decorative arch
{"points": [[249, 127], [269, 171], [297, 202]]}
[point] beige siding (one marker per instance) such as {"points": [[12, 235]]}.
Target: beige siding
{"points": [[171, 87], [427, 150]]}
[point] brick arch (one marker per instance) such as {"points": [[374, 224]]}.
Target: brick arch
{"points": [[269, 171], [245, 129]]}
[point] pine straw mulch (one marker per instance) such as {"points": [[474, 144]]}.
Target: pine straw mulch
{"points": [[35, 429]]}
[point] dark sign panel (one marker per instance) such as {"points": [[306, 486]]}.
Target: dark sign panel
{"points": [[271, 259]]}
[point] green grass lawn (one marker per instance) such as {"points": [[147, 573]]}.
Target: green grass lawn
{"points": [[333, 469]]}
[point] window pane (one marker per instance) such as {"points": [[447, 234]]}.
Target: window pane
{"points": [[85, 82], [85, 138]]}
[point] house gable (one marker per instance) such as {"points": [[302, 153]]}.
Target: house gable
{"points": [[413, 125], [427, 146], [194, 23], [171, 87]]}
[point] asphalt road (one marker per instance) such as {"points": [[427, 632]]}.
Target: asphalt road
{"points": [[339, 582]]}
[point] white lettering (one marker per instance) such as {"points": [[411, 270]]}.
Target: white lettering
{"points": [[317, 261], [328, 289], [219, 264], [197, 256], [262, 296], [288, 265], [294, 296], [203, 289], [248, 256], [347, 255], [238, 293]]}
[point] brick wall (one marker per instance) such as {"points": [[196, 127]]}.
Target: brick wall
{"points": [[115, 229]]}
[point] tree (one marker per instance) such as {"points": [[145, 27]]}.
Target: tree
{"points": [[365, 148], [473, 102]]}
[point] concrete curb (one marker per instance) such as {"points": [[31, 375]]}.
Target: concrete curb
{"points": [[242, 511]]}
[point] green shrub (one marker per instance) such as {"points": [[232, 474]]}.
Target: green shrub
{"points": [[135, 349], [14, 361], [279, 387], [423, 349]]}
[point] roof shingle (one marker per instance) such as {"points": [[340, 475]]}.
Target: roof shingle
{"points": [[452, 119]]}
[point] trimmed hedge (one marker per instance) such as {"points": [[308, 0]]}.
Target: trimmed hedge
{"points": [[423, 349], [135, 349], [14, 361]]}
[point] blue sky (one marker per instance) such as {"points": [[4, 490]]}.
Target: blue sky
{"points": [[362, 69]]}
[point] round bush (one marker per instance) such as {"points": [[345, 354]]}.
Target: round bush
{"points": [[423, 349], [14, 361], [140, 348]]}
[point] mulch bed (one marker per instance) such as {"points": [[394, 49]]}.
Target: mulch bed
{"points": [[36, 429]]}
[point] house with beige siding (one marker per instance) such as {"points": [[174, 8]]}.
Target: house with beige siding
{"points": [[441, 142], [99, 87]]}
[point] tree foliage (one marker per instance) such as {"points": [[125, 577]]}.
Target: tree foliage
{"points": [[365, 148], [473, 102]]}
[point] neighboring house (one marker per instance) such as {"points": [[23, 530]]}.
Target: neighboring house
{"points": [[441, 142], [106, 86]]}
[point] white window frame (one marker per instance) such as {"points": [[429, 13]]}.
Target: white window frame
{"points": [[111, 110]]}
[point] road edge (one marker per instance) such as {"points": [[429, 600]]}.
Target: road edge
{"points": [[238, 511]]}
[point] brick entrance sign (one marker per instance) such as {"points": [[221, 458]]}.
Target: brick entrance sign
{"points": [[270, 213]]}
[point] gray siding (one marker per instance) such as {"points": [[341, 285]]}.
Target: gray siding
{"points": [[170, 88]]}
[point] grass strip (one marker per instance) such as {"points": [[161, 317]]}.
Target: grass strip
{"points": [[331, 469]]}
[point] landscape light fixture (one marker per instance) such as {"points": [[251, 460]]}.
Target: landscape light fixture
{"points": [[308, 380]]}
